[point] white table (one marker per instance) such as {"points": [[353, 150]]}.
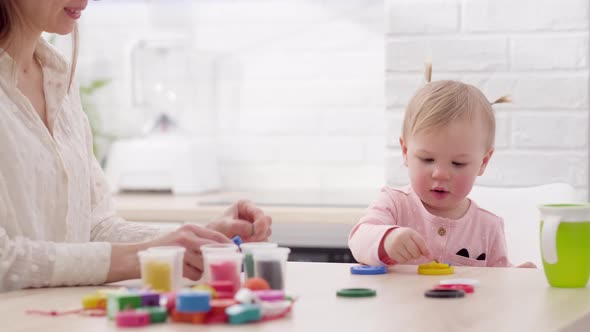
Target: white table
{"points": [[508, 299]]}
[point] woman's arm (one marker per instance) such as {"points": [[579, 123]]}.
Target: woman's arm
{"points": [[26, 263], [105, 224]]}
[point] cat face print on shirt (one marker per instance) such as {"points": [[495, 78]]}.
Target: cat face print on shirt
{"points": [[465, 253]]}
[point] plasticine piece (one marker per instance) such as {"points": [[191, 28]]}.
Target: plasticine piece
{"points": [[207, 288], [243, 313], [94, 301], [131, 318], [270, 295], [118, 302], [435, 268], [158, 275], [149, 299], [193, 301], [245, 295], [189, 317], [256, 284], [273, 309], [157, 314]]}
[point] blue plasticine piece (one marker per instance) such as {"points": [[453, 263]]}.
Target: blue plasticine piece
{"points": [[237, 240], [193, 301], [368, 270]]}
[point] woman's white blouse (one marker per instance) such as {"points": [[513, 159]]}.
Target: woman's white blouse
{"points": [[56, 212]]}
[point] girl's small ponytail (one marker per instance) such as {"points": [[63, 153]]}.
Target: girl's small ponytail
{"points": [[428, 72], [502, 100]]}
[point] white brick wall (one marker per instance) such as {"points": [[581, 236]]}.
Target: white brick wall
{"points": [[477, 53], [294, 89], [568, 51], [419, 17], [524, 15], [537, 51], [297, 91]]}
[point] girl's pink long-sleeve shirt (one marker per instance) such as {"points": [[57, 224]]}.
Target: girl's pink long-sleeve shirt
{"points": [[476, 239]]}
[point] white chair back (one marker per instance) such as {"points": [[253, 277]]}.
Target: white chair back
{"points": [[518, 208]]}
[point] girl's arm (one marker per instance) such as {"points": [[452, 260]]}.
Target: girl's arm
{"points": [[365, 239], [498, 253]]}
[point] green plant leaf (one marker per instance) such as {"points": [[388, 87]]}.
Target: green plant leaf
{"points": [[93, 86], [86, 92]]}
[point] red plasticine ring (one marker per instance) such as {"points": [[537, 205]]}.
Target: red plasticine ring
{"points": [[463, 287]]}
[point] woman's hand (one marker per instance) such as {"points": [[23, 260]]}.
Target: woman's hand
{"points": [[191, 237], [243, 218], [404, 244], [125, 262]]}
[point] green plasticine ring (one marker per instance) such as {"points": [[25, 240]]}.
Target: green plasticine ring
{"points": [[356, 292]]}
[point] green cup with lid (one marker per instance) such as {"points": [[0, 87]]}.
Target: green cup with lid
{"points": [[565, 244]]}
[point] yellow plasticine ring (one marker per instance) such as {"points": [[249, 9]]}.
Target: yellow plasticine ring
{"points": [[434, 265], [435, 268], [436, 271]]}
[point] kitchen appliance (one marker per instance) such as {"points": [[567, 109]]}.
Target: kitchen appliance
{"points": [[176, 149], [163, 162]]}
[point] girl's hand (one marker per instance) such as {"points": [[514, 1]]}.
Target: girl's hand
{"points": [[404, 244], [244, 219], [192, 237], [528, 265]]}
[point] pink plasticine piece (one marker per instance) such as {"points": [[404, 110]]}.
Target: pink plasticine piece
{"points": [[130, 318], [223, 286], [170, 301], [227, 271]]}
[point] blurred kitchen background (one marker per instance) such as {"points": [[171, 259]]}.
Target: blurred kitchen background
{"points": [[299, 103], [292, 91]]}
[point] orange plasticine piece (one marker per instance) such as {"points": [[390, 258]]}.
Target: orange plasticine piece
{"points": [[256, 284]]}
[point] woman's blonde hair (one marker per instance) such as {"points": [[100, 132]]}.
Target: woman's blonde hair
{"points": [[439, 103], [10, 17]]}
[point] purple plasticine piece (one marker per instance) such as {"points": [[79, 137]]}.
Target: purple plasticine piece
{"points": [[270, 294], [150, 299]]}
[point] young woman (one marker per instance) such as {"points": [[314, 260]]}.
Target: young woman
{"points": [[57, 221]]}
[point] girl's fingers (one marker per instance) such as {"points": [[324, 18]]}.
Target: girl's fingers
{"points": [[403, 255], [421, 244], [413, 249]]}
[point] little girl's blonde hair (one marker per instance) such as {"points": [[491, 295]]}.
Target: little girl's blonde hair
{"points": [[439, 103]]}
